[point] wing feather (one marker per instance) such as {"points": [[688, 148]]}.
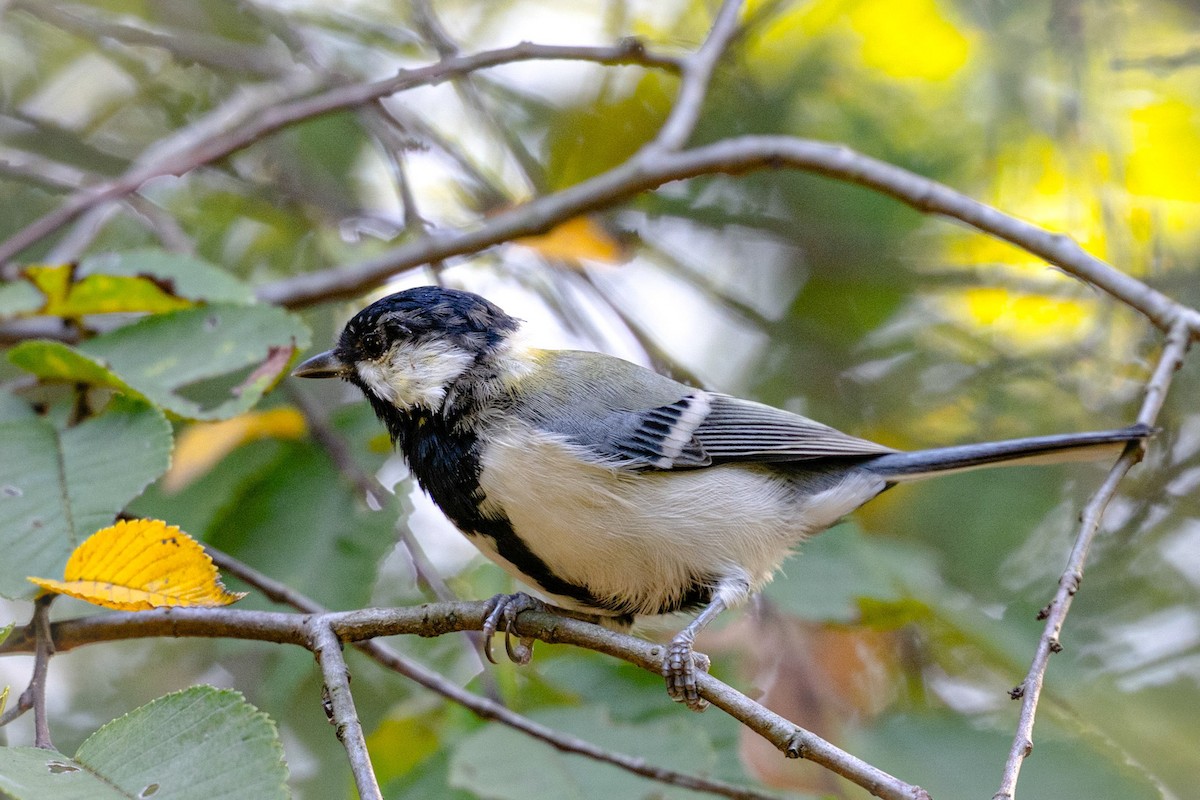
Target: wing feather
{"points": [[629, 417]]}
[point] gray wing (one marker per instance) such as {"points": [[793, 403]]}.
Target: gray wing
{"points": [[630, 417], [742, 430]]}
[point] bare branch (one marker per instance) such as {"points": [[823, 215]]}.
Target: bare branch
{"points": [[336, 676], [36, 691], [441, 618], [1055, 614], [483, 707], [698, 70], [210, 148], [736, 156]]}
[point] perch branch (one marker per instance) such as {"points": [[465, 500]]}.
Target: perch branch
{"points": [[442, 618]]}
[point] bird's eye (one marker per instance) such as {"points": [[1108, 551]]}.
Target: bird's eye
{"points": [[373, 345]]}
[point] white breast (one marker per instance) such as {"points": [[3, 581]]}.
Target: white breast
{"points": [[647, 537]]}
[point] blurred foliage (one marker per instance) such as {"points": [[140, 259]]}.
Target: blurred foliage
{"points": [[897, 635]]}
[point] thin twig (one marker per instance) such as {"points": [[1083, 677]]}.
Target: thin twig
{"points": [[266, 121], [441, 618], [342, 713], [34, 695], [1055, 613], [698, 70]]}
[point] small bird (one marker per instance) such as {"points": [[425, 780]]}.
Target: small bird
{"points": [[614, 491]]}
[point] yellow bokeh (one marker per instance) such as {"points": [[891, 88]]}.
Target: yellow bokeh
{"points": [[910, 39], [1164, 160], [1027, 321]]}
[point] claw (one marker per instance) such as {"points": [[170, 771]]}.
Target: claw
{"points": [[506, 608], [680, 667]]}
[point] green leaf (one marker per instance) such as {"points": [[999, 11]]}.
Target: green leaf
{"points": [[483, 762], [182, 275], [201, 743], [300, 522], [31, 773], [55, 361], [57, 487], [164, 356]]}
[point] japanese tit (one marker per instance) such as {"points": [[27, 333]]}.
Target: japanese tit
{"points": [[610, 489]]}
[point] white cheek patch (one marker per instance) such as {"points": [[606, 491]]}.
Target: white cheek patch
{"points": [[415, 375]]}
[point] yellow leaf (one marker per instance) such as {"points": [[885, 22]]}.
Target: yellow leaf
{"points": [[575, 239], [3, 699], [139, 565], [201, 446], [98, 294]]}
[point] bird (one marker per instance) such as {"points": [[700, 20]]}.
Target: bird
{"points": [[613, 491]]}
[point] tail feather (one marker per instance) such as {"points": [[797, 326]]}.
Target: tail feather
{"points": [[1092, 446]]}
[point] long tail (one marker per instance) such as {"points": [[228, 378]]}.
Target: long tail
{"points": [[1096, 445]]}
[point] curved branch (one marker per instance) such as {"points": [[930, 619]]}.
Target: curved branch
{"points": [[736, 156], [275, 118], [441, 618]]}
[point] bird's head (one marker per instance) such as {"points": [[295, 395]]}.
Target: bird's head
{"points": [[419, 349]]}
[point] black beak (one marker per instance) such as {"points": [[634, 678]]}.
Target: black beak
{"points": [[322, 365]]}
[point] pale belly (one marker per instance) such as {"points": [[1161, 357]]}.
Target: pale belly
{"points": [[649, 538]]}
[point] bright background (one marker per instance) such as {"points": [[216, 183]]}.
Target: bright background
{"points": [[898, 634]]}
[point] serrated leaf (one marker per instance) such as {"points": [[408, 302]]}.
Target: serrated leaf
{"points": [[198, 744], [182, 275], [176, 741], [162, 356], [59, 486], [70, 295], [137, 565]]}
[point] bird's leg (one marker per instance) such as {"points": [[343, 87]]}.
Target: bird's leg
{"points": [[680, 665], [506, 607]]}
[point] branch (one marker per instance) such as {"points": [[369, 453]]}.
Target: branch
{"points": [[482, 707], [735, 156], [1055, 613], [269, 120], [441, 618], [336, 676], [698, 70]]}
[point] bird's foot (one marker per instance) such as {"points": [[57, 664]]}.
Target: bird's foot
{"points": [[504, 608], [680, 667]]}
